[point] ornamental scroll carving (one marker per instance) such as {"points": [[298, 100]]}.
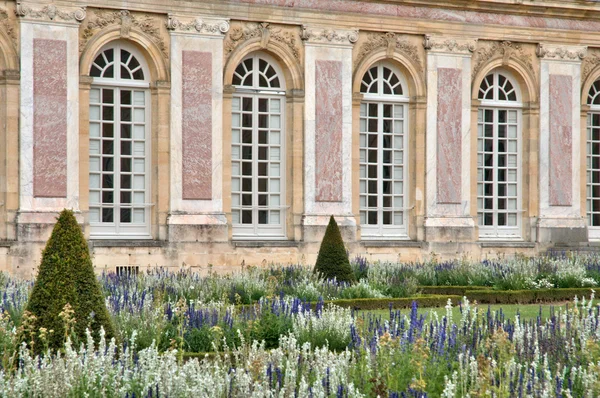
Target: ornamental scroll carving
{"points": [[320, 35], [265, 32], [589, 64], [392, 42], [8, 27], [560, 53], [505, 50], [148, 25], [50, 12], [449, 45], [209, 26]]}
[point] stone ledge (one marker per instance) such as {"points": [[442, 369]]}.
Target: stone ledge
{"points": [[8, 243], [392, 243], [126, 243], [265, 243], [507, 245]]}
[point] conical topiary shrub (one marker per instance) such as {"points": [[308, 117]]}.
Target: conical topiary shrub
{"points": [[332, 261], [66, 275]]}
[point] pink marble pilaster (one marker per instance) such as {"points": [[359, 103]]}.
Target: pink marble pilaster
{"points": [[197, 125], [328, 130], [449, 139], [49, 118], [561, 140]]}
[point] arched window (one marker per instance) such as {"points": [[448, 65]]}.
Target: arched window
{"points": [[383, 153], [498, 157], [119, 177], [593, 161], [258, 149]]}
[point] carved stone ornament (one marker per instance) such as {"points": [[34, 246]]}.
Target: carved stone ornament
{"points": [[203, 25], [50, 13], [392, 42], [590, 63], [265, 32], [564, 53], [505, 50], [8, 27], [449, 45], [328, 36], [148, 25]]}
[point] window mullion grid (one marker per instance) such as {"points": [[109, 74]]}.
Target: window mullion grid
{"points": [[380, 122], [117, 157], [255, 154], [495, 151]]}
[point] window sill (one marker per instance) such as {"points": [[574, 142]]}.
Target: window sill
{"points": [[507, 244], [126, 243], [264, 243], [392, 243]]}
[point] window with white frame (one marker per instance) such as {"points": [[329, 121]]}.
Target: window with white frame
{"points": [[119, 146], [498, 157], [383, 154], [258, 149], [593, 161]]}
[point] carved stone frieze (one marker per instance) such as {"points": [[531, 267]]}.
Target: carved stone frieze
{"points": [[449, 45], [565, 53], [202, 25], [50, 13], [589, 64], [265, 32], [312, 34], [148, 25], [505, 50], [392, 42]]}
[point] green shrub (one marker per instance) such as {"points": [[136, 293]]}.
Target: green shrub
{"points": [[66, 276], [332, 261]]}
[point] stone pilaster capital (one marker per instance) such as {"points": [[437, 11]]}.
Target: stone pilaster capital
{"points": [[449, 45], [326, 36], [50, 13], [200, 25], [558, 52]]}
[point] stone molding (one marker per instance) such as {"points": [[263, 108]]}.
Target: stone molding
{"points": [[50, 13], [8, 28], [449, 45], [392, 42], [561, 53], [102, 19], [319, 35], [263, 31], [200, 25], [505, 50]]}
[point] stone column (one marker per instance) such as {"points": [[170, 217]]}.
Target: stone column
{"points": [[196, 203], [560, 218], [328, 131], [49, 116], [448, 146]]}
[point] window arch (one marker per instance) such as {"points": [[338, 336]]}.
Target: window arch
{"points": [[383, 153], [593, 161], [119, 144], [499, 156], [258, 188]]}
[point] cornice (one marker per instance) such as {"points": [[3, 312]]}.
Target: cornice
{"points": [[449, 45], [202, 25], [50, 13], [561, 53], [319, 35]]}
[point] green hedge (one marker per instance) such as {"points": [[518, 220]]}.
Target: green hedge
{"points": [[405, 302], [451, 290], [526, 296]]}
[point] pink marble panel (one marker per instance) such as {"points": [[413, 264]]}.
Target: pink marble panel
{"points": [[49, 118], [449, 139], [561, 140], [427, 13], [196, 121], [328, 141]]}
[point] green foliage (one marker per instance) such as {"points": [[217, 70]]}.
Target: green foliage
{"points": [[332, 261], [66, 276], [269, 327]]}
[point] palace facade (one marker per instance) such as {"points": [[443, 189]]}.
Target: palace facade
{"points": [[226, 132]]}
